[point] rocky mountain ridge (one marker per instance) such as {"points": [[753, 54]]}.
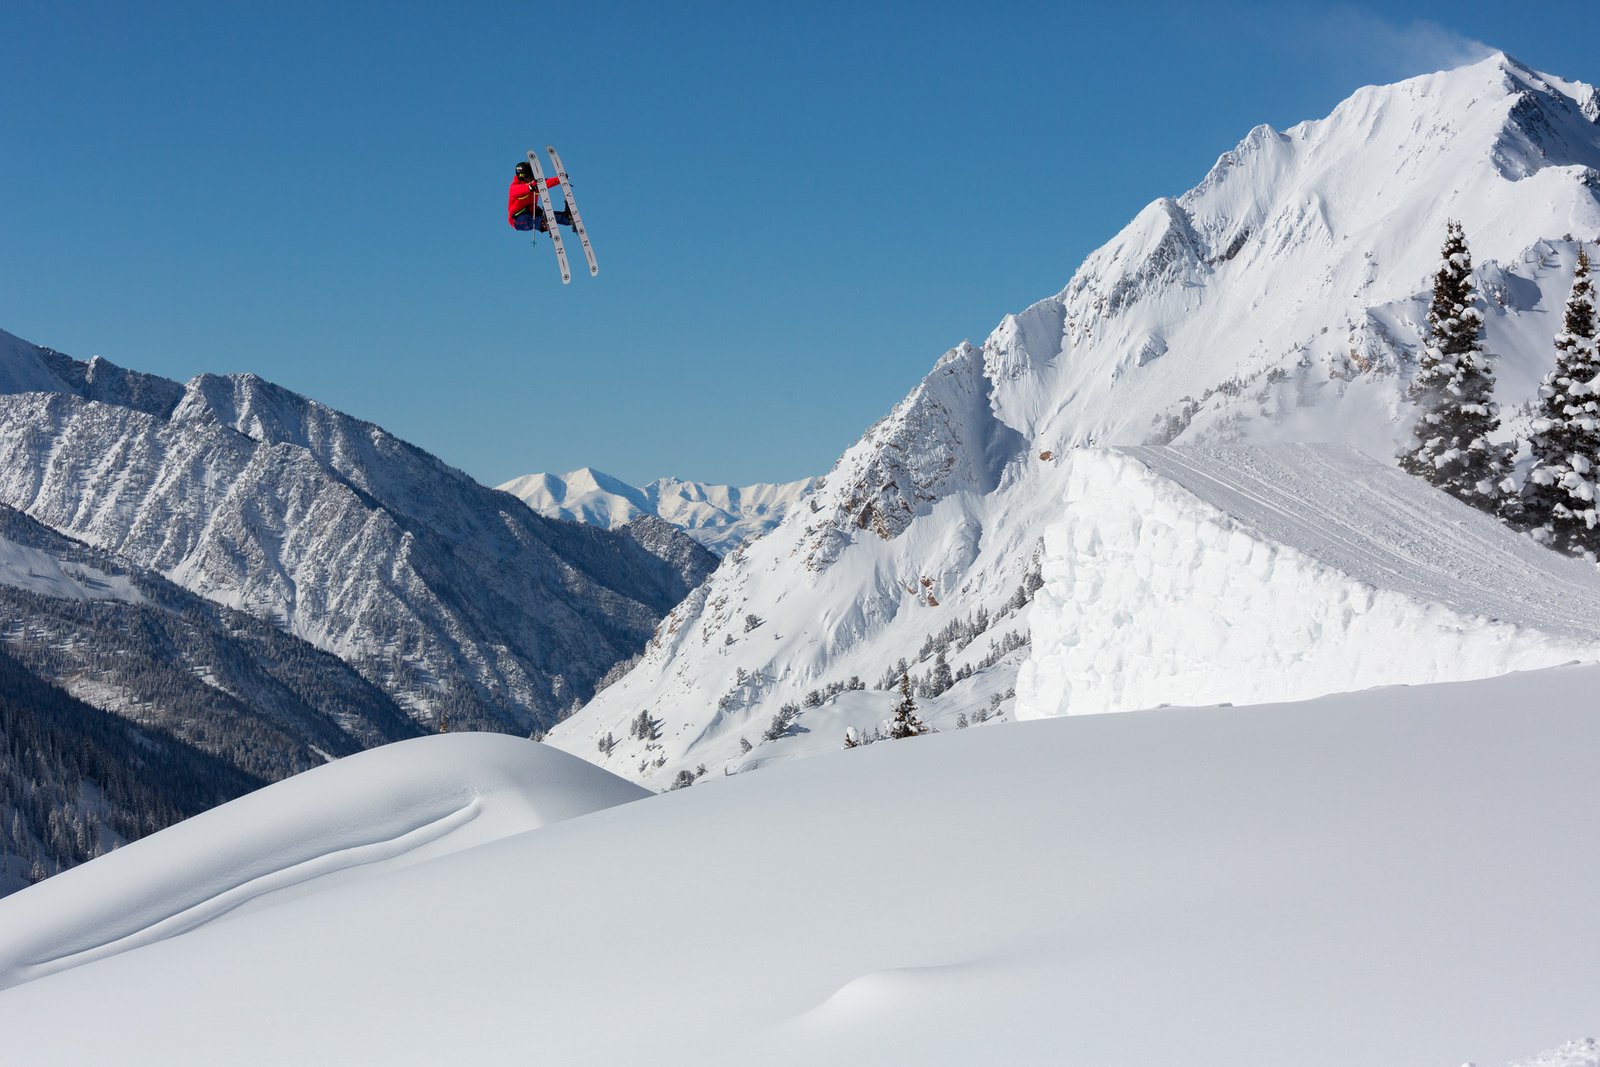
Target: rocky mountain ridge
{"points": [[455, 599]]}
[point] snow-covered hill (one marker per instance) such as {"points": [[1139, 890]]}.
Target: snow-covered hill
{"points": [[351, 820], [1390, 878], [721, 517], [1280, 300], [454, 598]]}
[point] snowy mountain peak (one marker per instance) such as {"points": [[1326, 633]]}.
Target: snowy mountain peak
{"points": [[28, 368], [1282, 299], [942, 438]]}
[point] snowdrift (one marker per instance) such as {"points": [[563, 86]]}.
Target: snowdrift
{"points": [[1249, 574], [355, 818], [1391, 878]]}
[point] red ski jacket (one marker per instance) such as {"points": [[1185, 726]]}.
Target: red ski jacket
{"points": [[524, 195]]}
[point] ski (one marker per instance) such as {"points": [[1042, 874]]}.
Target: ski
{"points": [[550, 216], [572, 209]]}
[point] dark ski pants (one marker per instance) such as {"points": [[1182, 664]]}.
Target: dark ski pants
{"points": [[534, 220]]}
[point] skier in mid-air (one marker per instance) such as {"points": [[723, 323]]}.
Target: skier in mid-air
{"points": [[523, 210], [530, 208]]}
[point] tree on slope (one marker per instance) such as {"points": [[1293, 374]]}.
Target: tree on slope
{"points": [[1454, 390], [1558, 498], [941, 678], [906, 721]]}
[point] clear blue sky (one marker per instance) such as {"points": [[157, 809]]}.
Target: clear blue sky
{"points": [[797, 208]]}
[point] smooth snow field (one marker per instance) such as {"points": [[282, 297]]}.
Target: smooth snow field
{"points": [[1404, 876]]}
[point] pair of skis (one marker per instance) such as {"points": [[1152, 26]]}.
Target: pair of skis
{"points": [[550, 214]]}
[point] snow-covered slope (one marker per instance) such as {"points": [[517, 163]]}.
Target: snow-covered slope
{"points": [[353, 819], [454, 598], [129, 642], [1397, 877], [37, 571], [1280, 300], [1247, 574], [721, 517]]}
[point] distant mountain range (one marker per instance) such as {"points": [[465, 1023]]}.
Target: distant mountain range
{"points": [[721, 517]]}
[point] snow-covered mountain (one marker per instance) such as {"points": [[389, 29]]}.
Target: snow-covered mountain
{"points": [[721, 517], [457, 600], [1280, 300], [1400, 876]]}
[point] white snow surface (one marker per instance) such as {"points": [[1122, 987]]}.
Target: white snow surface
{"points": [[1281, 300], [1390, 878], [1247, 574], [39, 572], [720, 517], [349, 820]]}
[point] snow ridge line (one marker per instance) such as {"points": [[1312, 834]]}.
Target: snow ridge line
{"points": [[216, 906], [1327, 527]]}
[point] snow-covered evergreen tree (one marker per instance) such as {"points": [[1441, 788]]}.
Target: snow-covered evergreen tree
{"points": [[906, 721], [1454, 391], [645, 727], [1558, 498], [942, 678], [781, 722]]}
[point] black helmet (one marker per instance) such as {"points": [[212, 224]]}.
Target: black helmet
{"points": [[525, 171]]}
